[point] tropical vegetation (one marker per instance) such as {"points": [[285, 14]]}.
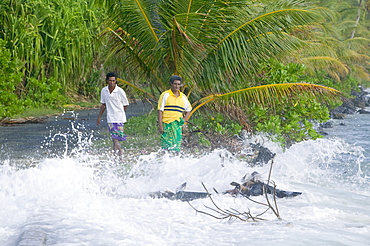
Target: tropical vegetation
{"points": [[265, 64]]}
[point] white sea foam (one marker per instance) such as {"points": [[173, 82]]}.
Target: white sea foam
{"points": [[86, 199], [82, 200]]}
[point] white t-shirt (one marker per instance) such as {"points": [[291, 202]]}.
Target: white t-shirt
{"points": [[114, 104]]}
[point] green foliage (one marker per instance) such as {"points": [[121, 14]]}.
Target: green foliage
{"points": [[321, 77], [219, 48], [340, 44], [45, 92], [53, 38], [286, 120], [10, 76], [215, 123], [276, 72], [288, 123], [142, 132], [145, 125], [91, 88], [37, 93]]}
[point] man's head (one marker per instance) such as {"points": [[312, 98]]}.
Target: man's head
{"points": [[111, 76], [176, 83], [175, 77], [111, 80]]}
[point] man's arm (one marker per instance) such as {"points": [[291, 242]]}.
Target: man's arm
{"points": [[186, 116], [102, 109], [160, 121]]}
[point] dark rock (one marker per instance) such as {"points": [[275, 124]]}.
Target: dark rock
{"points": [[361, 100], [328, 124], [263, 154], [361, 97], [363, 111], [337, 116]]}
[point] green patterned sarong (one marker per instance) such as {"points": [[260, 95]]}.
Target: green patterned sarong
{"points": [[172, 135]]}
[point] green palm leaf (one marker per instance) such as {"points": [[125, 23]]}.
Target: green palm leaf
{"points": [[239, 53], [206, 41], [267, 94], [137, 89]]}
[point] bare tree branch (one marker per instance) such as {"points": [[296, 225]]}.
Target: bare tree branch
{"points": [[233, 214]]}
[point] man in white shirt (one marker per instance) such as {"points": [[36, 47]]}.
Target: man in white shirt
{"points": [[114, 99]]}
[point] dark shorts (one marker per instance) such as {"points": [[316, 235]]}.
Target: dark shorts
{"points": [[116, 131]]}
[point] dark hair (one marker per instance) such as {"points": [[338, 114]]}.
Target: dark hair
{"points": [[175, 77], [111, 74]]}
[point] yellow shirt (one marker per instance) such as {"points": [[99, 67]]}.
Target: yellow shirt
{"points": [[173, 107]]}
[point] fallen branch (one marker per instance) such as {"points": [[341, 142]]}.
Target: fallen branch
{"points": [[233, 214], [226, 214]]}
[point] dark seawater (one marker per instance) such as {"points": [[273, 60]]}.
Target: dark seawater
{"points": [[24, 141]]}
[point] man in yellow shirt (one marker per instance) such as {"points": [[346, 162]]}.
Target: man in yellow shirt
{"points": [[173, 110]]}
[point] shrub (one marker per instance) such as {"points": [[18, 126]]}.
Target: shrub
{"points": [[10, 77], [45, 92]]}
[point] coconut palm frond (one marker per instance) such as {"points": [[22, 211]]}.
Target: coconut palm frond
{"points": [[283, 20], [239, 52], [135, 25], [328, 63], [234, 66], [124, 43], [352, 56], [139, 90], [358, 43], [262, 29], [325, 12], [361, 72], [136, 17], [184, 49], [265, 94]]}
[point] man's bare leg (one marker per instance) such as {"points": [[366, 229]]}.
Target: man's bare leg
{"points": [[117, 148]]}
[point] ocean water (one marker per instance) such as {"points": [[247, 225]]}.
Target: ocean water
{"points": [[77, 197]]}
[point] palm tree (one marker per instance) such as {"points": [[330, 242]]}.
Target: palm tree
{"points": [[216, 46], [340, 44]]}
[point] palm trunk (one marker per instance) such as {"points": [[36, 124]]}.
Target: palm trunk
{"points": [[357, 19]]}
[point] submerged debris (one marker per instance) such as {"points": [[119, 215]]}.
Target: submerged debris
{"points": [[180, 194], [254, 187], [251, 186]]}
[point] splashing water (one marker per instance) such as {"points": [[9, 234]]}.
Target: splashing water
{"points": [[76, 197]]}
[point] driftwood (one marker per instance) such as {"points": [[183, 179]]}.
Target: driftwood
{"points": [[23, 120], [233, 214]]}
